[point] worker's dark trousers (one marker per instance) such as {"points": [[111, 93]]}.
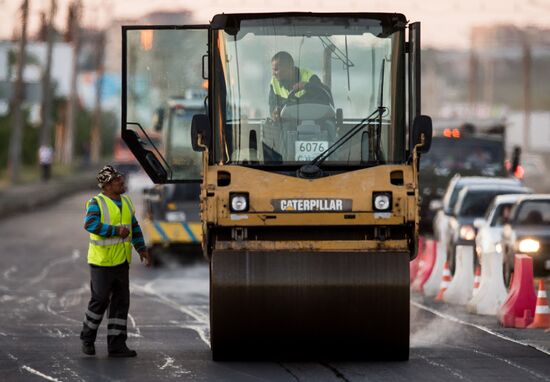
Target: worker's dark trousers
{"points": [[110, 288]]}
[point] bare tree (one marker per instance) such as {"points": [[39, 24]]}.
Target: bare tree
{"points": [[95, 136], [75, 11], [16, 136], [47, 91]]}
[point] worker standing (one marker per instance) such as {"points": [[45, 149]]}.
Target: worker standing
{"points": [[113, 228]]}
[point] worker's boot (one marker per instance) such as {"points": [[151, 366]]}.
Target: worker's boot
{"points": [[123, 352], [88, 348]]}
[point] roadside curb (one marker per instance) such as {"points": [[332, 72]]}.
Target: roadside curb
{"points": [[23, 198]]}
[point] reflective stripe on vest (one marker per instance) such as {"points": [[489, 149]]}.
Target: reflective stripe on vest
{"points": [[283, 92], [112, 251]]}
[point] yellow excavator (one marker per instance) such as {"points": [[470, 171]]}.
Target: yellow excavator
{"points": [[309, 209]]}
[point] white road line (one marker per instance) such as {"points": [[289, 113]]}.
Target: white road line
{"points": [[445, 367], [511, 363], [36, 372], [42, 275], [136, 328], [8, 271], [169, 362], [480, 327]]}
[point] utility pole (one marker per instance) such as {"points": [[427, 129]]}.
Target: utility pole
{"points": [[16, 135], [95, 135], [47, 93], [527, 65], [75, 10]]}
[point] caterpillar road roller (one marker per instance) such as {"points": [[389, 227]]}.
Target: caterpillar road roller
{"points": [[309, 180]]}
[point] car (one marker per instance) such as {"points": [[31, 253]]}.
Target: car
{"points": [[489, 228], [528, 232], [445, 207], [472, 202]]}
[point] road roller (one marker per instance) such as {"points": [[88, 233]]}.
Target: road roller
{"points": [[307, 155]]}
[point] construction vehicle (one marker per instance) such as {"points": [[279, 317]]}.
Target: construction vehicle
{"points": [[309, 221], [473, 147], [171, 222]]}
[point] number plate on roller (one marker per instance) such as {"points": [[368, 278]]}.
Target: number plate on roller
{"points": [[308, 150]]}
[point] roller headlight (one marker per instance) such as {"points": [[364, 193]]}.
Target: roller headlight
{"points": [[381, 201], [498, 248], [239, 202], [467, 232], [529, 246]]}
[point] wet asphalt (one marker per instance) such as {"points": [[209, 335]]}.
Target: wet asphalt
{"points": [[44, 290]]}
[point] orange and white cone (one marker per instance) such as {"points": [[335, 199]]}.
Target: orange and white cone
{"points": [[542, 311], [445, 280], [476, 278]]}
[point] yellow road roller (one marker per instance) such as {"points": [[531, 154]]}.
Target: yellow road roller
{"points": [[307, 157]]}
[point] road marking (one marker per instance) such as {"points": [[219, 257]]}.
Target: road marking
{"points": [[7, 273], [36, 372], [445, 367], [480, 327], [42, 275], [169, 362], [511, 363], [136, 328]]}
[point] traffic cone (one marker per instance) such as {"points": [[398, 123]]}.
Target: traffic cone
{"points": [[445, 280], [476, 278], [542, 311]]}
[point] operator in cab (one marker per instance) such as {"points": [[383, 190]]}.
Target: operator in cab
{"points": [[289, 81]]}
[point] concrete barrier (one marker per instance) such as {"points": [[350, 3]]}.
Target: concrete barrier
{"points": [[519, 307], [425, 266], [433, 283], [492, 292], [460, 289]]}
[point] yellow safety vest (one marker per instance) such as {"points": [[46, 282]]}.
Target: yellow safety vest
{"points": [[283, 92], [114, 250]]}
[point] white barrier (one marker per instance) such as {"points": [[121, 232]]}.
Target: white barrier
{"points": [[492, 292], [431, 286], [461, 287]]}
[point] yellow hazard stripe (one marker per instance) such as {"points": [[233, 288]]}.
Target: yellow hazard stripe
{"points": [[172, 232]]}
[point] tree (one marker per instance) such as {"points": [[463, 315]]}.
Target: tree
{"points": [[16, 136], [46, 110]]}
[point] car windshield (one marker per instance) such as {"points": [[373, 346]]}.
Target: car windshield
{"points": [[476, 155], [474, 203], [500, 215], [533, 212], [286, 88]]}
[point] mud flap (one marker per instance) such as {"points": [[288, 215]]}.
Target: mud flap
{"points": [[309, 305]]}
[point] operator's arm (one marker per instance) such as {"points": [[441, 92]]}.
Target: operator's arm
{"points": [[137, 236], [273, 101], [93, 223]]}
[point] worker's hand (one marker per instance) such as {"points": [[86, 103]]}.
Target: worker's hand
{"points": [[299, 86], [145, 255], [276, 114], [123, 232]]}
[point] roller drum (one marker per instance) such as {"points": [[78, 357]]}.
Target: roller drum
{"points": [[309, 305]]}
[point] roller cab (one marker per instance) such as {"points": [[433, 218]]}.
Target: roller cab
{"points": [[309, 196]]}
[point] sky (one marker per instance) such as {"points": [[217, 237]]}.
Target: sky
{"points": [[445, 23]]}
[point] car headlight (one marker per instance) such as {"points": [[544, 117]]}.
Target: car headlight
{"points": [[498, 248], [467, 232], [381, 201], [529, 246], [239, 202], [175, 216]]}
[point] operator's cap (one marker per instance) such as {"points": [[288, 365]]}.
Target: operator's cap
{"points": [[106, 174]]}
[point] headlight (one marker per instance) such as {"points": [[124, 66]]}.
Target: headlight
{"points": [[381, 201], [239, 202], [467, 232], [175, 216], [498, 248], [529, 246]]}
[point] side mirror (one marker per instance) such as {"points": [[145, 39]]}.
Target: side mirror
{"points": [[436, 205], [200, 126], [479, 222], [422, 130]]}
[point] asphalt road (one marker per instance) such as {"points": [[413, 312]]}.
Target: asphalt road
{"points": [[44, 289]]}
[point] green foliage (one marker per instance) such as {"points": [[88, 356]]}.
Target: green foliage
{"points": [[30, 142]]}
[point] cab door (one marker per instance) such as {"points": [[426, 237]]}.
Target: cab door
{"points": [[163, 65]]}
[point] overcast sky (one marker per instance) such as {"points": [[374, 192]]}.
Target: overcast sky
{"points": [[445, 23]]}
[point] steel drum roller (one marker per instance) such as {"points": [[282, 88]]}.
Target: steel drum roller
{"points": [[309, 305]]}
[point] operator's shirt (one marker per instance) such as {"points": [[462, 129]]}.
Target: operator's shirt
{"points": [[93, 225], [278, 101]]}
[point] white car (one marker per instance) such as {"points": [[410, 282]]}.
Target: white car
{"points": [[489, 228]]}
